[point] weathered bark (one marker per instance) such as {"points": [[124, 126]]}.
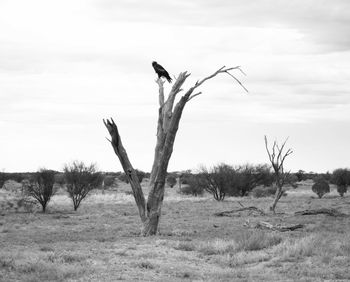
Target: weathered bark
{"points": [[127, 167], [167, 126]]}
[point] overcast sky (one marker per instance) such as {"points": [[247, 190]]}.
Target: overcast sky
{"points": [[65, 65]]}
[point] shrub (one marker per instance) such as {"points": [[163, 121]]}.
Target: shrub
{"points": [[256, 240], [122, 177], [2, 179], [320, 187], [108, 180], [246, 177], [218, 180], [341, 178], [171, 180], [80, 180], [342, 190], [261, 192], [224, 179], [194, 185], [40, 187], [300, 175], [59, 179], [140, 175]]}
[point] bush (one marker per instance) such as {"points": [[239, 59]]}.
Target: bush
{"points": [[140, 175], [342, 190], [261, 192], [300, 175], [108, 181], [341, 178], [40, 187], [59, 179], [320, 187], [194, 185], [218, 180], [122, 177], [2, 179], [246, 177], [224, 179], [171, 180], [80, 180]]}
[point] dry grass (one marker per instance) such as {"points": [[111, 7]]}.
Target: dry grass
{"points": [[100, 241]]}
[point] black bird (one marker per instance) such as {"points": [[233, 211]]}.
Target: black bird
{"points": [[161, 71]]}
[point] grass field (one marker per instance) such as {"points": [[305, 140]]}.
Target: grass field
{"points": [[100, 242]]}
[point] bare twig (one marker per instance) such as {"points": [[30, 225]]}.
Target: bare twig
{"points": [[194, 95], [240, 83]]}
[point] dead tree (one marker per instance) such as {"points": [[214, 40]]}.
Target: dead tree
{"points": [[277, 158], [169, 116]]}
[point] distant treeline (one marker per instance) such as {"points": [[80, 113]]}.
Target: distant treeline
{"points": [[20, 176]]}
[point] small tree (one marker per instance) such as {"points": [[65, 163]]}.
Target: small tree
{"points": [[80, 180], [219, 180], [341, 178], [171, 180], [277, 157], [320, 187], [41, 187]]}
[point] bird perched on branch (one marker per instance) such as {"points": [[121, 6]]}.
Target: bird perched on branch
{"points": [[161, 71]]}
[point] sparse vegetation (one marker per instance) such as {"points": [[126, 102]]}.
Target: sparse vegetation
{"points": [[99, 244], [80, 180]]}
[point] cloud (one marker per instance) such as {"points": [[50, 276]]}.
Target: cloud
{"points": [[324, 22]]}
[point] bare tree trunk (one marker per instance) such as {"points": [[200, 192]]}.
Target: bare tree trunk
{"points": [[167, 126], [278, 196], [277, 158]]}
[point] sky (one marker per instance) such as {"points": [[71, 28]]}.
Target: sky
{"points": [[66, 65]]}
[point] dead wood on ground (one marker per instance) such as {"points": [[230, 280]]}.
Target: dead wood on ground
{"points": [[277, 227], [331, 212], [251, 211]]}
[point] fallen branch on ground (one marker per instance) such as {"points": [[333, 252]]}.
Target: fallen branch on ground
{"points": [[251, 210], [331, 212], [278, 227]]}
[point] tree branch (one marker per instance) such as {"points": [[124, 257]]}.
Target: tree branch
{"points": [[127, 167], [194, 95]]}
